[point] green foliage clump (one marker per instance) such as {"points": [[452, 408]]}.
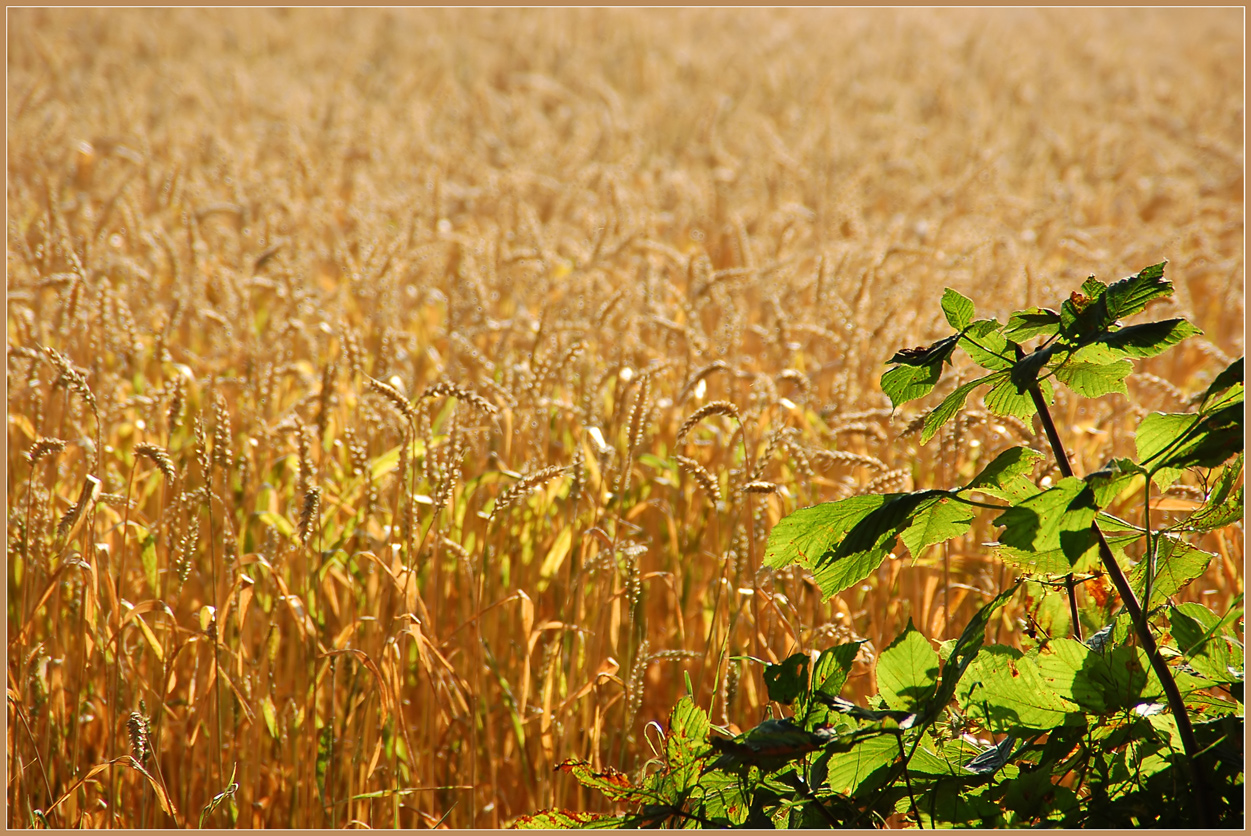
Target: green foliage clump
{"points": [[1138, 724]]}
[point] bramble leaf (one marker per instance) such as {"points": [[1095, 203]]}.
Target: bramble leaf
{"points": [[1094, 380], [1149, 338], [848, 772], [1005, 477], [1052, 562], [1180, 440], [1005, 398], [688, 732], [566, 820], [1224, 504], [832, 667], [1066, 664], [1230, 376], [1057, 561], [788, 679], [951, 405], [930, 355], [936, 523], [1058, 518], [907, 383], [842, 542], [877, 531], [958, 309], [770, 745], [1177, 564], [1131, 295], [1031, 322], [985, 344], [806, 535], [918, 370], [614, 785], [1094, 371], [1083, 315], [1160, 430], [1100, 682], [963, 653], [1195, 628], [1217, 438], [907, 670], [1008, 692]]}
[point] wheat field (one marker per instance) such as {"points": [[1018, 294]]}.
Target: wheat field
{"points": [[399, 401]]}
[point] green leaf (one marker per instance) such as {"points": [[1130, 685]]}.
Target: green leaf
{"points": [[918, 372], [935, 353], [847, 772], [1217, 438], [907, 670], [1210, 706], [806, 535], [1150, 338], [1181, 440], [1009, 693], [1067, 666], [1006, 476], [1224, 504], [843, 572], [870, 540], [1059, 518], [614, 785], [1051, 562], [147, 556], [965, 651], [1032, 795], [878, 529], [1131, 295], [1031, 322], [1195, 628], [1094, 288], [951, 405], [1229, 377], [1005, 398], [686, 744], [907, 383], [1094, 372], [1161, 430], [1177, 564], [832, 668], [770, 745], [726, 798], [1058, 561], [935, 524], [566, 820], [843, 542], [957, 308], [1114, 480], [787, 680], [985, 344], [1084, 314]]}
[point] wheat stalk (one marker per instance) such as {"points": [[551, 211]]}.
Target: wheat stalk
{"points": [[710, 408], [468, 396], [702, 476], [523, 486]]}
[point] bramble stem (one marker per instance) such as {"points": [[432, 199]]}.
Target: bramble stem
{"points": [[1137, 615], [1066, 468]]}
